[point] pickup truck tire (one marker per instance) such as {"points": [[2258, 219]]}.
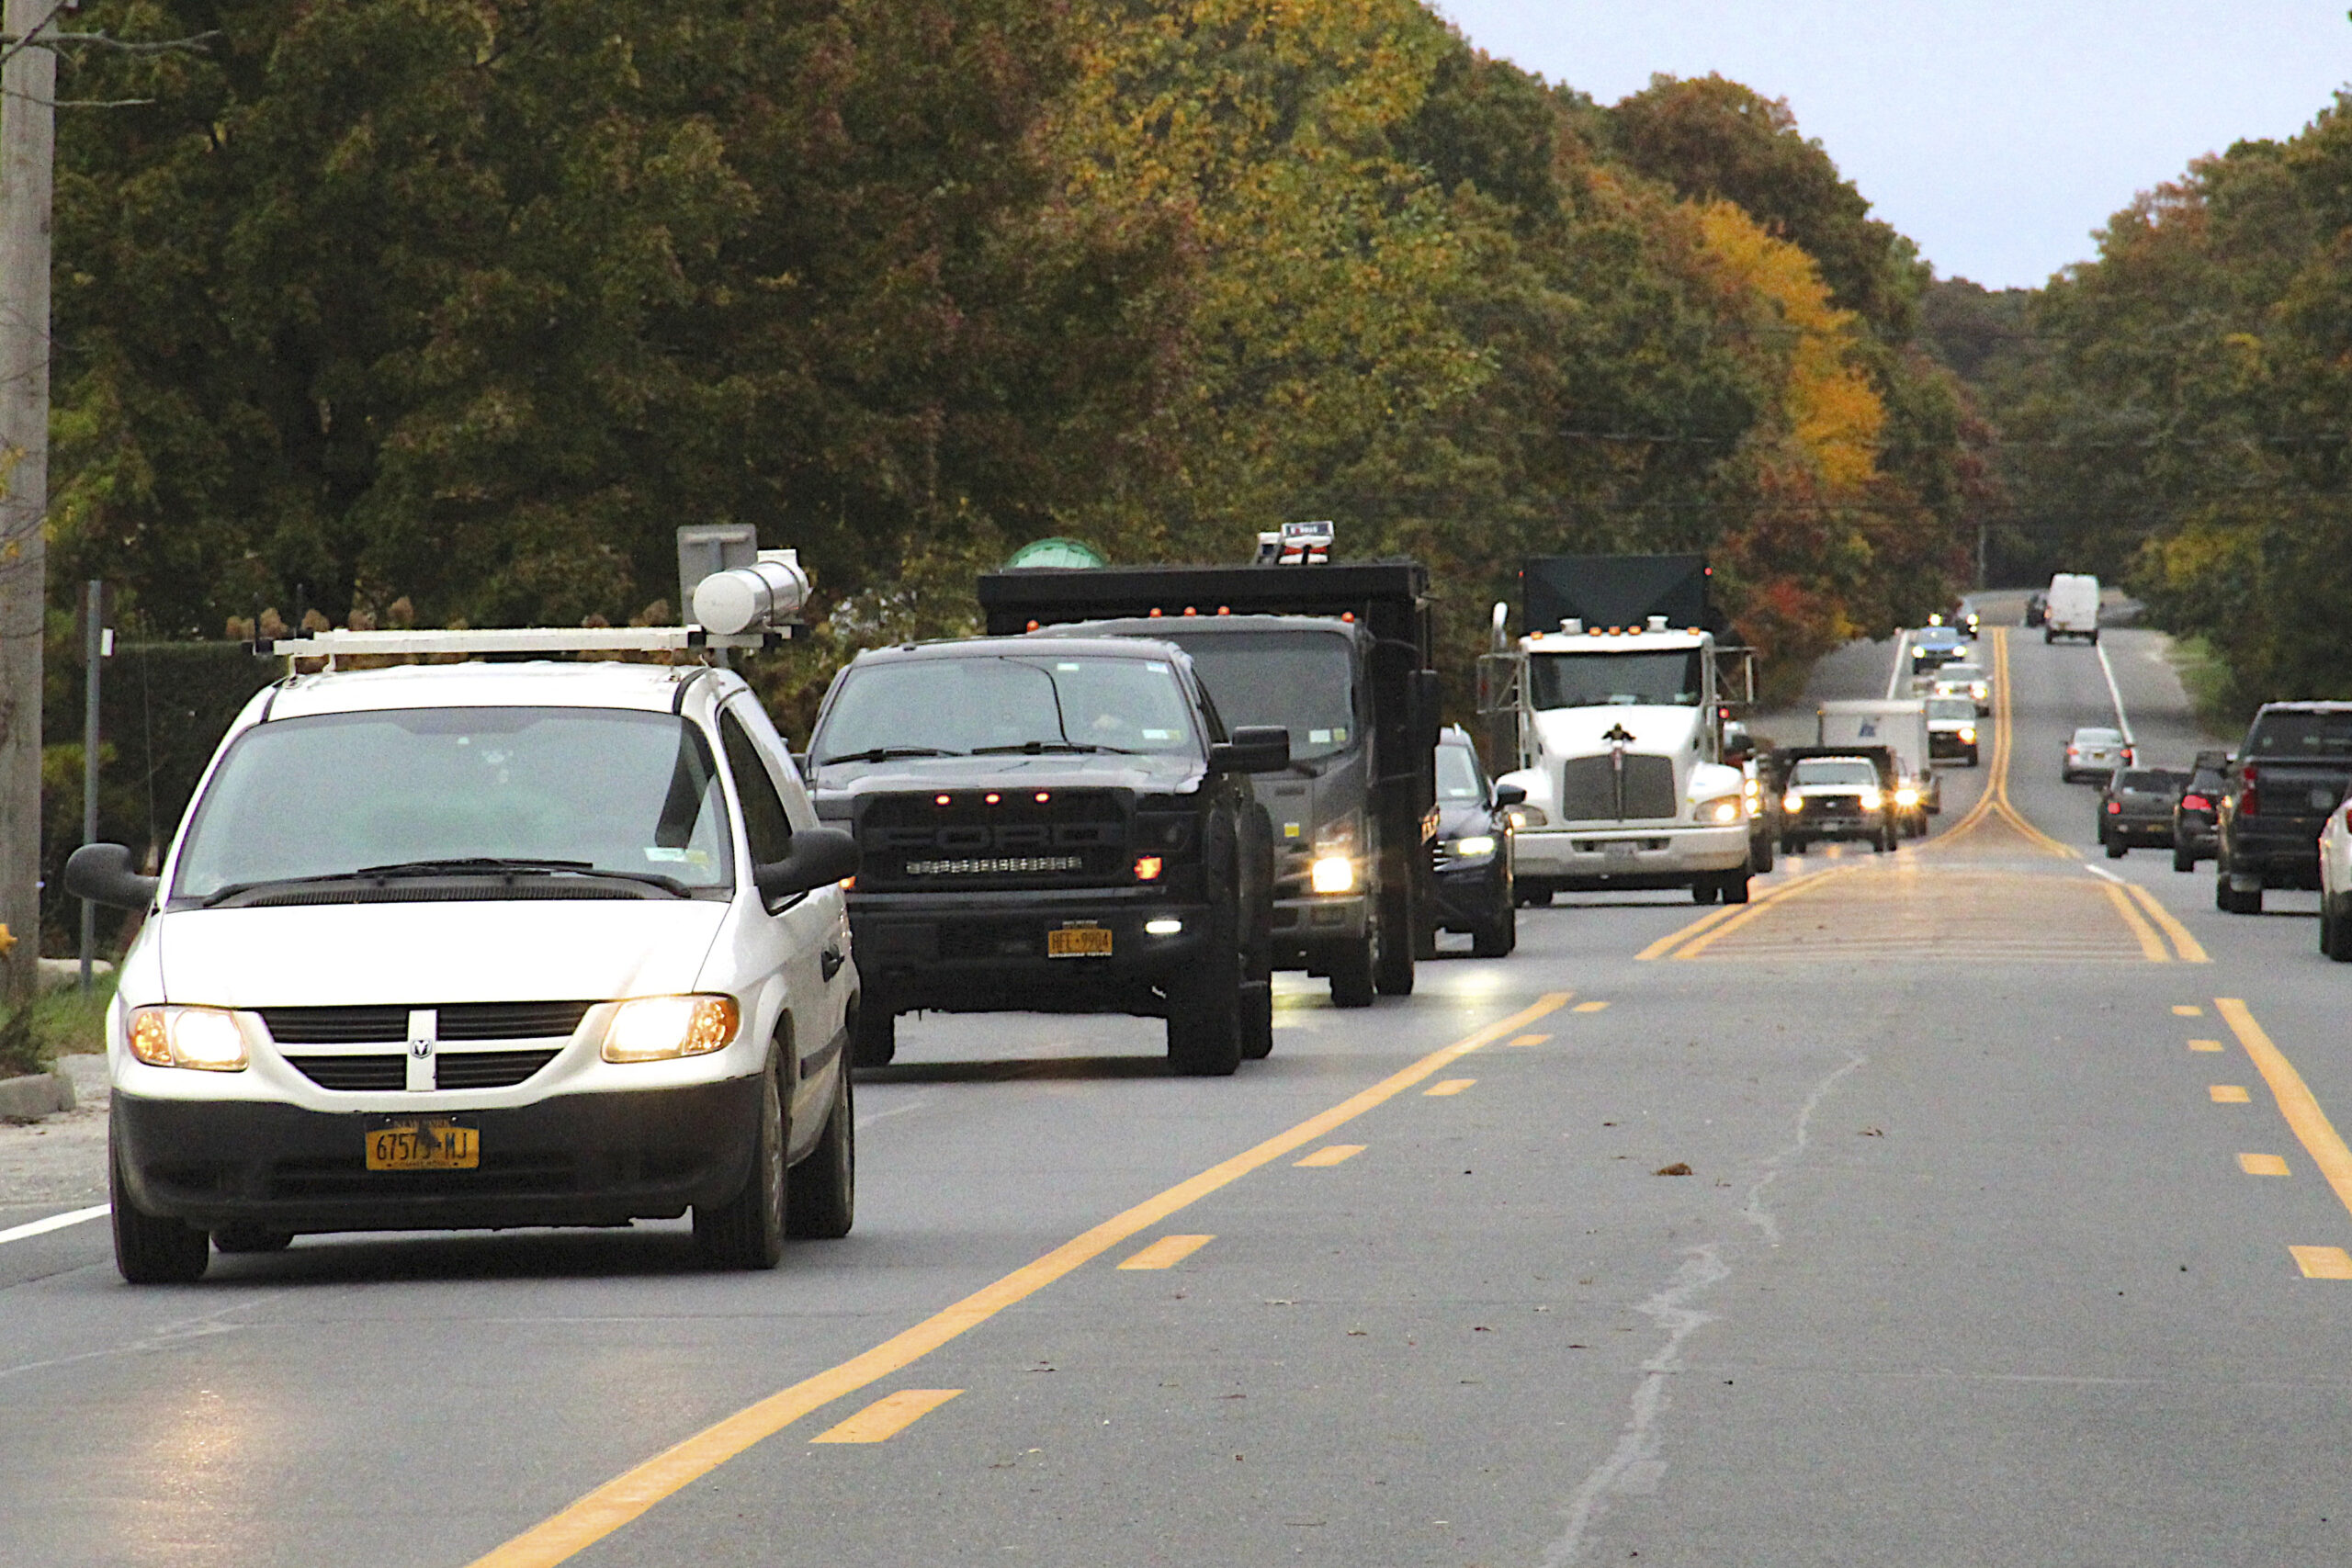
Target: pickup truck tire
{"points": [[1706, 889], [821, 1194], [1257, 1020], [2229, 902], [1205, 1006], [1392, 968], [152, 1249], [874, 1037], [1735, 887], [747, 1231], [1791, 844], [1759, 854], [1352, 969]]}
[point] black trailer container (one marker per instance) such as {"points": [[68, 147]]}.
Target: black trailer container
{"points": [[1367, 798], [1617, 590]]}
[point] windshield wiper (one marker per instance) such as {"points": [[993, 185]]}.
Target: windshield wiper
{"points": [[462, 865], [1038, 747], [469, 865], [886, 754]]}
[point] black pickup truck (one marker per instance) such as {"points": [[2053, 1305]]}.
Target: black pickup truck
{"points": [[2287, 777], [1052, 827]]}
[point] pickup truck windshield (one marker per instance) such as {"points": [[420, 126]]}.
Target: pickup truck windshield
{"points": [[1667, 679], [1951, 708], [1840, 771], [956, 707], [577, 790], [2284, 737], [1302, 680]]}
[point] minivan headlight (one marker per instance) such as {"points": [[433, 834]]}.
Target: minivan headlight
{"points": [[662, 1029], [208, 1039]]}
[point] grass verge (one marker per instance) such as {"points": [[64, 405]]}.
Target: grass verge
{"points": [[58, 1024], [2210, 683]]}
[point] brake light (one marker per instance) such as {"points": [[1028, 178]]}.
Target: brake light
{"points": [[2248, 800], [2127, 756], [2195, 803], [2347, 817], [2115, 807]]}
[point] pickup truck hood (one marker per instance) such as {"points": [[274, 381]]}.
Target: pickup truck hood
{"points": [[505, 951], [1149, 773]]}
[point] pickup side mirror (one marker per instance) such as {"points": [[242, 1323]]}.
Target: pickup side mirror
{"points": [[101, 874], [1254, 748], [819, 855], [1510, 794]]}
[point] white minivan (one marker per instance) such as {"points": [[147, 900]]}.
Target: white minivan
{"points": [[2073, 607], [484, 946]]}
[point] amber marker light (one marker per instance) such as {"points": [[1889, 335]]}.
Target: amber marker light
{"points": [[1149, 867], [992, 797]]}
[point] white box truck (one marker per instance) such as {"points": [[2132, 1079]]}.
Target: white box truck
{"points": [[2073, 607], [1902, 729]]}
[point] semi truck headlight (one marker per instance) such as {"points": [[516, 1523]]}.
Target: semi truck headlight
{"points": [[1722, 811], [208, 1039], [1477, 846], [1334, 873], [662, 1029]]}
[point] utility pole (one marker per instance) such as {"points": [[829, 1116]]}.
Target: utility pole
{"points": [[28, 147]]}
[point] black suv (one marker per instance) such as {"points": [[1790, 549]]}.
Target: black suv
{"points": [[1064, 828], [2287, 777]]}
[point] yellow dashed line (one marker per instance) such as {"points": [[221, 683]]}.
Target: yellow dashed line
{"points": [[2204, 1044], [1590, 1007], [1449, 1086], [2182, 1009], [2229, 1094], [1331, 1154], [2262, 1164], [1527, 1039], [887, 1416], [1168, 1251], [2152, 946], [2323, 1262]]}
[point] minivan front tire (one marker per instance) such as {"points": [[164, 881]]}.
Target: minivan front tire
{"points": [[152, 1249], [747, 1231]]}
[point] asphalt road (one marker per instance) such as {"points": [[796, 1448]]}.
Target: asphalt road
{"points": [[1973, 1265]]}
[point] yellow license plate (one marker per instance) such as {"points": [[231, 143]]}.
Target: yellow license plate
{"points": [[430, 1146], [1078, 941]]}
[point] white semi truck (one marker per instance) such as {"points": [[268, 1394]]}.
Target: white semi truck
{"points": [[1612, 708]]}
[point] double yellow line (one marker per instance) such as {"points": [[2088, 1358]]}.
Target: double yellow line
{"points": [[1995, 801]]}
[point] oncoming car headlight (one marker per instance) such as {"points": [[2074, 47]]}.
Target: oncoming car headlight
{"points": [[1968, 734], [1477, 846], [1871, 800], [662, 1029], [208, 1039], [1906, 798], [1333, 874], [1722, 811], [1793, 802]]}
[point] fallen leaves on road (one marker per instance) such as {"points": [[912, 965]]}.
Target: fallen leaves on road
{"points": [[1677, 1169]]}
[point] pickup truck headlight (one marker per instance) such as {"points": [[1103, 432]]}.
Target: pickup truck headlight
{"points": [[1722, 811], [662, 1029], [1968, 734], [1477, 846], [208, 1039], [1792, 802], [1871, 800], [1333, 874], [1906, 798]]}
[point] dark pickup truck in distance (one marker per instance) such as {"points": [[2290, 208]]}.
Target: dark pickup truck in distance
{"points": [[2287, 777], [1060, 826]]}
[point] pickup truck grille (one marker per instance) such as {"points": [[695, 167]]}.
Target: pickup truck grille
{"points": [[1072, 837], [1594, 789]]}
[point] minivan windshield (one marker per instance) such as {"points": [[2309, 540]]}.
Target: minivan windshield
{"points": [[1302, 680], [569, 789], [973, 705], [2288, 734], [1663, 679]]}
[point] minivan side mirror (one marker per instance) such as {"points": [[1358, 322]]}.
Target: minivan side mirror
{"points": [[819, 855], [1510, 794], [101, 874], [1254, 748]]}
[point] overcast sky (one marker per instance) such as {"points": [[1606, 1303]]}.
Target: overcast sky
{"points": [[1996, 133]]}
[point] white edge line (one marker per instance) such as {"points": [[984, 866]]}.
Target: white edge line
{"points": [[2123, 721], [2102, 871], [54, 1223], [1895, 676]]}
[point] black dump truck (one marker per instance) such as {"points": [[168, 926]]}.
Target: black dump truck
{"points": [[1338, 654], [1058, 827]]}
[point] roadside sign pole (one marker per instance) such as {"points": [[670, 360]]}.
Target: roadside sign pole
{"points": [[95, 637]]}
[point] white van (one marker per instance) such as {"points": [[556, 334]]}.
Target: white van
{"points": [[2073, 608], [482, 945]]}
